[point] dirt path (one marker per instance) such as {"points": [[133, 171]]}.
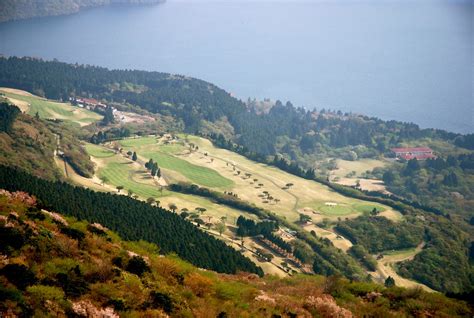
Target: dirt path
{"points": [[386, 268]]}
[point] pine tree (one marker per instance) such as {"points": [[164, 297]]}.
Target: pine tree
{"points": [[134, 156], [389, 282]]}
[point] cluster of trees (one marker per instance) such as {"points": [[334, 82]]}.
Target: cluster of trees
{"points": [[8, 114], [247, 227], [151, 166], [221, 198], [466, 141], [378, 234], [113, 133], [133, 220], [444, 183], [361, 254]]}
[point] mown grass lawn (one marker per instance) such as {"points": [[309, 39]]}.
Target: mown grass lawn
{"points": [[98, 151], [122, 173], [338, 210], [138, 142], [50, 109], [367, 208], [197, 174]]}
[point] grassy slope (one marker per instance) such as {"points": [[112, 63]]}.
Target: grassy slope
{"points": [[67, 273], [32, 143], [50, 109], [30, 146], [164, 155]]}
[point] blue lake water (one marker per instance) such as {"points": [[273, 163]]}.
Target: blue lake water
{"points": [[407, 60]]}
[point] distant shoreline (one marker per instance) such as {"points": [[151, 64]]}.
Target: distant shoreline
{"points": [[11, 10]]}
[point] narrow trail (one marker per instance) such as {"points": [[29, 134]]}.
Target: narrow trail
{"points": [[58, 159], [386, 268]]}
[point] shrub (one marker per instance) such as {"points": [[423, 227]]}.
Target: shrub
{"points": [[162, 301], [19, 275], [73, 233], [137, 265], [39, 294]]}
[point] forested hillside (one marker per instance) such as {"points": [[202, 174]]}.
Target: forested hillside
{"points": [[132, 219], [53, 265], [24, 9], [294, 132], [447, 183]]}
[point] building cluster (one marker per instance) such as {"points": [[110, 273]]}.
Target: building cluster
{"points": [[88, 103], [419, 153]]}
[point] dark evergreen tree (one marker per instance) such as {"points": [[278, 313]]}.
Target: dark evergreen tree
{"points": [[8, 114]]}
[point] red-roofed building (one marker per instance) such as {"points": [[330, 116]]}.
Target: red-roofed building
{"points": [[419, 153], [89, 103]]}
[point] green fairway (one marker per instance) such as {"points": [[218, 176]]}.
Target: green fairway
{"points": [[197, 174], [123, 174], [50, 109], [401, 253], [165, 156], [367, 208], [338, 210], [137, 142], [98, 152]]}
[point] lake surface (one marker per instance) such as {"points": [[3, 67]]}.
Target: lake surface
{"points": [[404, 60]]}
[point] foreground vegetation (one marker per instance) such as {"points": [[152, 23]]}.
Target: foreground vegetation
{"points": [[132, 219], [57, 265]]}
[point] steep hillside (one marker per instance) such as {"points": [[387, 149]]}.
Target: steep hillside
{"points": [[54, 265], [133, 220], [30, 144], [25, 9]]}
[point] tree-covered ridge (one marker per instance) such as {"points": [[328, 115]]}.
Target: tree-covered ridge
{"points": [[378, 234], [294, 132], [133, 220], [59, 266]]}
